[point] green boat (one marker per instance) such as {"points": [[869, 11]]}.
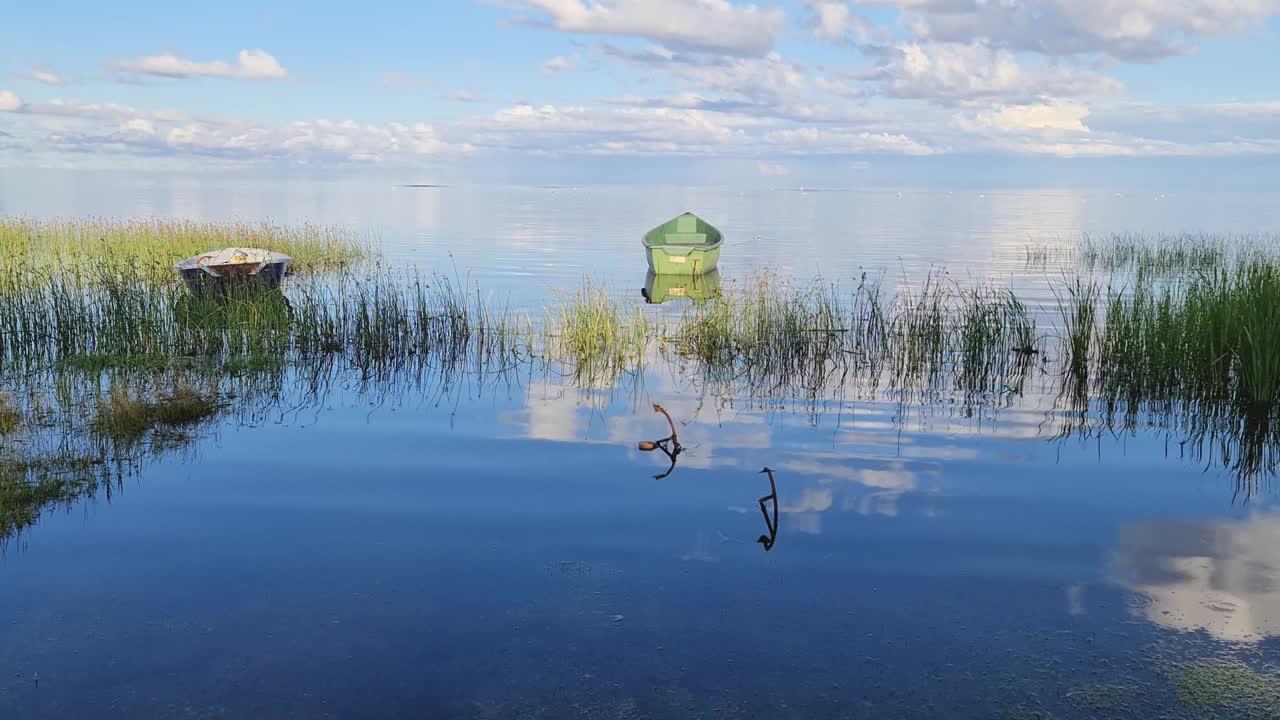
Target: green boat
{"points": [[685, 245], [661, 288]]}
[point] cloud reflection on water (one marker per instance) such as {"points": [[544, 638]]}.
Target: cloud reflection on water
{"points": [[1221, 577]]}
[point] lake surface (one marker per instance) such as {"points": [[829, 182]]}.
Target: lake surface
{"points": [[472, 547]]}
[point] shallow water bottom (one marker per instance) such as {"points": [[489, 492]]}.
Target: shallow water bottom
{"points": [[513, 557]]}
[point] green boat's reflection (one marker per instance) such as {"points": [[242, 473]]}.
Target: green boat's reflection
{"points": [[661, 288]]}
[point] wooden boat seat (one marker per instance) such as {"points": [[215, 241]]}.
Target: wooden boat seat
{"points": [[686, 238]]}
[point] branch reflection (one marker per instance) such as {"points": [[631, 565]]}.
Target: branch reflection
{"points": [[670, 445], [770, 524]]}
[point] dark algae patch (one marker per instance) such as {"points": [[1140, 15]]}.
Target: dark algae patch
{"points": [[1107, 700], [1228, 686]]}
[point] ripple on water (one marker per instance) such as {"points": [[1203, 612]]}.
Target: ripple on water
{"points": [[1139, 600]]}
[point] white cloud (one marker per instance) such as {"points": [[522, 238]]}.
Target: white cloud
{"points": [[638, 126], [42, 74], [1226, 121], [1060, 116], [670, 131], [831, 18], [766, 125], [560, 63], [769, 86], [954, 72], [466, 96], [140, 125], [710, 25], [1138, 129], [76, 109], [396, 79], [1141, 30], [1264, 109], [770, 76], [838, 87], [1148, 148], [624, 131], [800, 111], [839, 141], [643, 130], [835, 20], [250, 65], [90, 127]]}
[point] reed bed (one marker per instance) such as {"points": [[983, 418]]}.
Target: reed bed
{"points": [[1078, 305], [595, 335], [149, 247], [763, 332], [1214, 340], [1159, 255], [1188, 332], [134, 365], [917, 339], [1213, 337]]}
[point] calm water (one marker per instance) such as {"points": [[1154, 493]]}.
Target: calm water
{"points": [[500, 549]]}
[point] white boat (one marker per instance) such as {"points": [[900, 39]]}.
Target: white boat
{"points": [[215, 269]]}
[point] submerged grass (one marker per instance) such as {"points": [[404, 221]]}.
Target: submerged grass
{"points": [[184, 405], [1227, 684], [10, 417], [1107, 700], [125, 415], [26, 490], [79, 440]]}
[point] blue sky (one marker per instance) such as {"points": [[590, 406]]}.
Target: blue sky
{"points": [[774, 89]]}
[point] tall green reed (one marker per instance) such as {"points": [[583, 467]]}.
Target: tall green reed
{"points": [[150, 246]]}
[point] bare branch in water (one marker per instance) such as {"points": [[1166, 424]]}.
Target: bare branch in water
{"points": [[670, 445]]}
